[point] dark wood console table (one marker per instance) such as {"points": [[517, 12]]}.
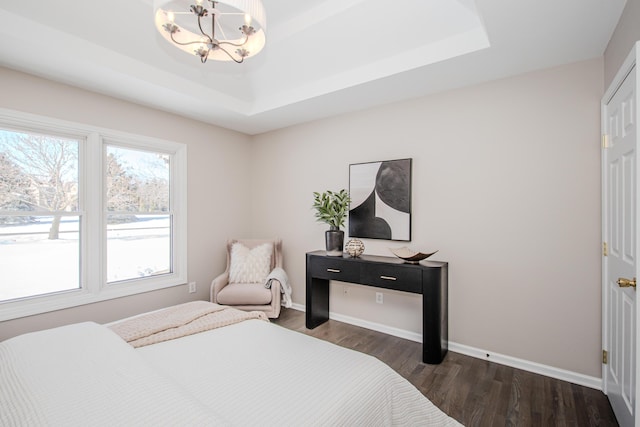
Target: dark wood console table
{"points": [[429, 278]]}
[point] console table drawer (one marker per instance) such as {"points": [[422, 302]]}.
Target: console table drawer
{"points": [[335, 269], [393, 277]]}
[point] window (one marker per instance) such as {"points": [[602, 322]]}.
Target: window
{"points": [[41, 216], [86, 214], [138, 212]]}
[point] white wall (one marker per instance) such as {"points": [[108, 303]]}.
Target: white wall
{"points": [[506, 184], [219, 187]]}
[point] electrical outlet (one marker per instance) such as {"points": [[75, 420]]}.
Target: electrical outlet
{"points": [[379, 297], [192, 287], [345, 290]]}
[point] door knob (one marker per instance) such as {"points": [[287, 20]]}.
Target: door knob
{"points": [[625, 283]]}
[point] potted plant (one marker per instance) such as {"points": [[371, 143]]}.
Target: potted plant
{"points": [[331, 208]]}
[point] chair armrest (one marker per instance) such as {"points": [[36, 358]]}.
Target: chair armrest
{"points": [[276, 297], [217, 284], [275, 289]]}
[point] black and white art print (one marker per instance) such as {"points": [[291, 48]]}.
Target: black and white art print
{"points": [[380, 200]]}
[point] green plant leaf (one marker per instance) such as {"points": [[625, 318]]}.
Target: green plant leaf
{"points": [[331, 207]]}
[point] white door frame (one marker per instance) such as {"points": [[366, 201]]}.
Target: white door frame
{"points": [[625, 69]]}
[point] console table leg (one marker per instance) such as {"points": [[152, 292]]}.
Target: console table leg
{"points": [[435, 331], [317, 302]]}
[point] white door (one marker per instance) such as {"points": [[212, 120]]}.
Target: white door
{"points": [[619, 267]]}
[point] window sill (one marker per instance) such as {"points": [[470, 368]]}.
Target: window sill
{"points": [[67, 299]]}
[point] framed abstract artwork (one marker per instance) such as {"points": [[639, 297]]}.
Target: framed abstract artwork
{"points": [[380, 200]]}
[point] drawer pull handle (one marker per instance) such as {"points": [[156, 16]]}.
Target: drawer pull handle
{"points": [[388, 278], [333, 270]]}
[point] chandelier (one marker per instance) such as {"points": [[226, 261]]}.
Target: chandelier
{"points": [[228, 30]]}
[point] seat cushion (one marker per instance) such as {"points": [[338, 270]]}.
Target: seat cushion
{"points": [[244, 294]]}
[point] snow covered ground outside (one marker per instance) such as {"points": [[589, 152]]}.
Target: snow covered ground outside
{"points": [[31, 264]]}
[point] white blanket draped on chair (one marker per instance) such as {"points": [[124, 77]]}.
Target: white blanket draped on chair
{"points": [[281, 276]]}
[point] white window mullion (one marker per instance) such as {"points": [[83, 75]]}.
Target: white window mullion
{"points": [[179, 212], [93, 263]]}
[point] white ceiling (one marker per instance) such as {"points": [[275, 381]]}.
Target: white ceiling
{"points": [[322, 58]]}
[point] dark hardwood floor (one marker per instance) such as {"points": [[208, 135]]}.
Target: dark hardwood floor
{"points": [[475, 392]]}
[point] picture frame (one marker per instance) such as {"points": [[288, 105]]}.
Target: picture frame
{"points": [[380, 200]]}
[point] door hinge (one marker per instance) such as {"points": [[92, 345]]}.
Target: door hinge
{"points": [[605, 357], [605, 141], [605, 251]]}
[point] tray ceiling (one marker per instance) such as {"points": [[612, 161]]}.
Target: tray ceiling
{"points": [[322, 58]]}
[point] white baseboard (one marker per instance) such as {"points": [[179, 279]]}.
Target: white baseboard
{"points": [[514, 362], [526, 365]]}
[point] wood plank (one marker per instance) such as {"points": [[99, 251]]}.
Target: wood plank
{"points": [[473, 391]]}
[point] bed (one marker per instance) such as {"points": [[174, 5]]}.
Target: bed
{"points": [[245, 373]]}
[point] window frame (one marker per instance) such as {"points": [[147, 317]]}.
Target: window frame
{"points": [[93, 278]]}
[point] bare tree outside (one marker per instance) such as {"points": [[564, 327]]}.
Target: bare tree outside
{"points": [[154, 183], [122, 188], [141, 187], [16, 192], [49, 165], [153, 196]]}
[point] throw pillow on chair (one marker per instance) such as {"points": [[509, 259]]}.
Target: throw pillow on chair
{"points": [[250, 265]]}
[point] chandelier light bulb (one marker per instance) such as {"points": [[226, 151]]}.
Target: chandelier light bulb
{"points": [[171, 17]]}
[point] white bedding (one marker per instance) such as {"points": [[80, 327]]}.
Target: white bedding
{"points": [[250, 373], [261, 374], [85, 375]]}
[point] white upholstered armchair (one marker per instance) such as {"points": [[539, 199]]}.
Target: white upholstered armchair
{"points": [[242, 285]]}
